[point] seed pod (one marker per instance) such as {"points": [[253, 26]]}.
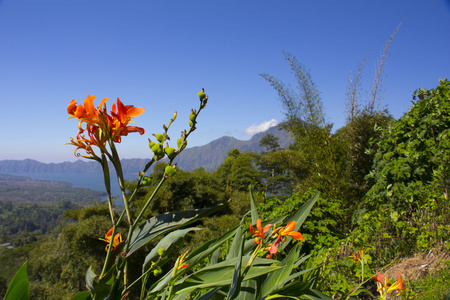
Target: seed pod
{"points": [[170, 171], [146, 181]]}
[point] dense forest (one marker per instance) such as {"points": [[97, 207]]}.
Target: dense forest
{"points": [[383, 187]]}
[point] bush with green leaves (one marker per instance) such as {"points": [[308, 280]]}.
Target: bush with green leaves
{"points": [[323, 227], [407, 207]]}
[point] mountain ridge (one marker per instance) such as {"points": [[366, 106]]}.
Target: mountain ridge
{"points": [[208, 156]]}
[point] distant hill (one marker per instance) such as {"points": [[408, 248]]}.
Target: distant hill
{"points": [[213, 154], [20, 189], [209, 157]]}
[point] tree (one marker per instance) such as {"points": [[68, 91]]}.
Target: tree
{"points": [[238, 172], [270, 142], [306, 121]]}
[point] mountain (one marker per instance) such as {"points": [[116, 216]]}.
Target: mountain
{"points": [[213, 154], [209, 157]]}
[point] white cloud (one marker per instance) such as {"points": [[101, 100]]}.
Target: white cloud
{"points": [[261, 127]]}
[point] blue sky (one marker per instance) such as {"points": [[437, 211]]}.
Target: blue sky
{"points": [[159, 54]]}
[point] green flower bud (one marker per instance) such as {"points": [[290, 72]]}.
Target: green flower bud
{"points": [[151, 144], [191, 123], [180, 142], [159, 137], [170, 171], [170, 152], [158, 151], [146, 181], [157, 271], [192, 117], [202, 94], [161, 251]]}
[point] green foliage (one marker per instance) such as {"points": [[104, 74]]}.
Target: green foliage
{"points": [[12, 259], [270, 142], [19, 286], [322, 154], [24, 223], [241, 268], [323, 227], [407, 206], [304, 107], [238, 172], [280, 171], [63, 261], [186, 190]]}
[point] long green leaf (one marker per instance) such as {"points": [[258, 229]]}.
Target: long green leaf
{"points": [[296, 286], [100, 288], [237, 278], [169, 243], [300, 216], [236, 245], [208, 294], [255, 215], [315, 295], [248, 290], [272, 281], [196, 256], [19, 287], [220, 277], [161, 224], [227, 264]]}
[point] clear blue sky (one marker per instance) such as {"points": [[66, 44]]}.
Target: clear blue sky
{"points": [[159, 54]]}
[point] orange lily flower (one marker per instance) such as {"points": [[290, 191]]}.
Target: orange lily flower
{"points": [[398, 285], [384, 287], [259, 232], [288, 230], [116, 242], [101, 126], [88, 113], [381, 283], [122, 115], [95, 137], [359, 255], [272, 248]]}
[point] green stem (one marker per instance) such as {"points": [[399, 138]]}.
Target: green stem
{"points": [[144, 283], [362, 267], [107, 182], [250, 262], [138, 218], [132, 226], [119, 172]]}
